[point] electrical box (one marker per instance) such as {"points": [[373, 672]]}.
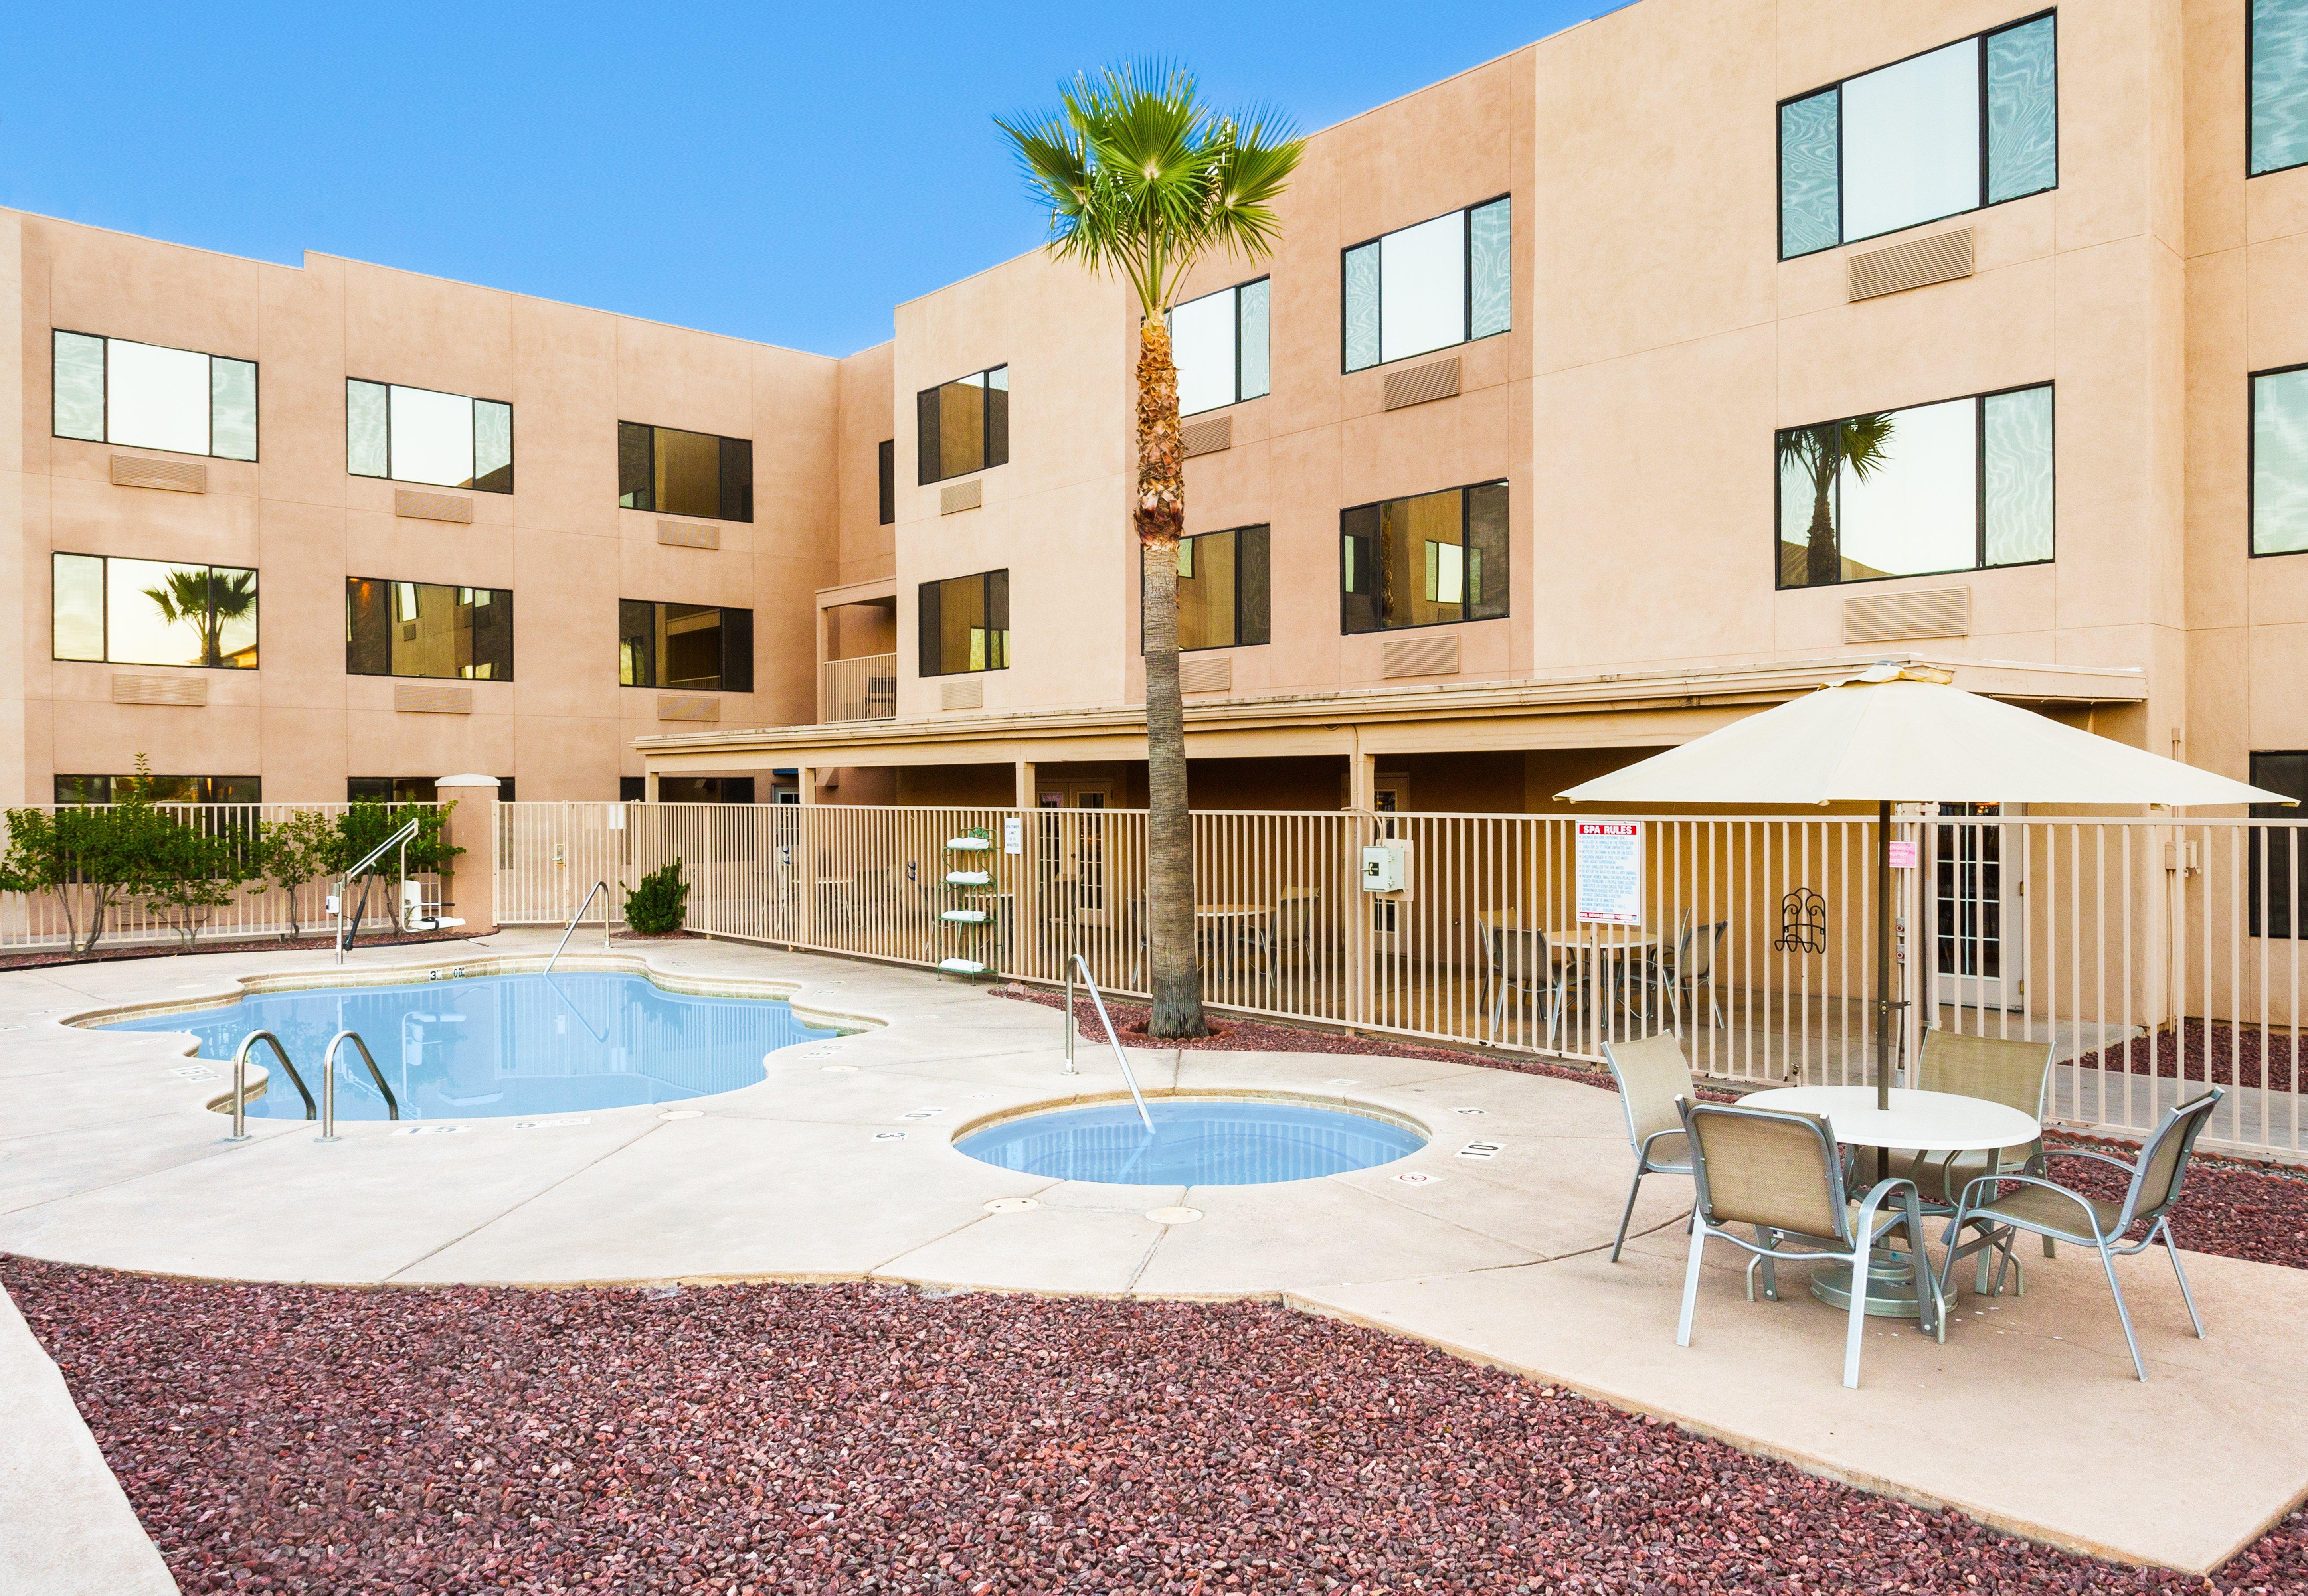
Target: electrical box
{"points": [[1386, 867]]}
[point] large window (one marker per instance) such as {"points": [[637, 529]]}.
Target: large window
{"points": [[1969, 124], [692, 646], [110, 390], [2280, 461], [423, 628], [2277, 41], [1957, 485], [676, 473], [162, 789], [964, 425], [154, 612], [1442, 282], [1222, 589], [1218, 344], [965, 624], [407, 789], [414, 435], [1425, 560]]}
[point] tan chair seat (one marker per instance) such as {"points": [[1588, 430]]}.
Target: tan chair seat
{"points": [[2034, 1206]]}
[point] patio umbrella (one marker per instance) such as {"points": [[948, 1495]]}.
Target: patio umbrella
{"points": [[1894, 734]]}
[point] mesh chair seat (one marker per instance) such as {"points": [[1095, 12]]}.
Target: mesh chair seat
{"points": [[1670, 1155], [1653, 1079], [2042, 1210]]}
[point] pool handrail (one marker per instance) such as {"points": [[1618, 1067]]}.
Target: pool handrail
{"points": [[1073, 962], [566, 932], [401, 839], [240, 1080], [329, 1083]]}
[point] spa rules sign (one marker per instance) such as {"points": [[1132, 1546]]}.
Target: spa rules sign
{"points": [[1610, 873]]}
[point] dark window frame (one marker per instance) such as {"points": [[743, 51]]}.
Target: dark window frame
{"points": [[985, 460], [1978, 491], [1779, 153], [504, 593], [2281, 873], [1462, 489], [1236, 289], [735, 643], [256, 399], [511, 443], [887, 465], [2252, 458], [57, 554], [652, 508], [207, 789], [921, 599], [1267, 527], [1466, 291]]}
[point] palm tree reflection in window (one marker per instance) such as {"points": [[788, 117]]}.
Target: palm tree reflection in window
{"points": [[208, 599], [1813, 455]]}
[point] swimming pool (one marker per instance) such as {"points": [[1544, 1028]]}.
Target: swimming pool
{"points": [[1197, 1141], [489, 1045]]}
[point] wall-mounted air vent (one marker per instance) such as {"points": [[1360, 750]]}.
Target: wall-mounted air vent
{"points": [[1435, 380], [184, 692], [431, 507], [688, 707], [1206, 437], [688, 534], [425, 698], [177, 476], [1422, 656], [961, 495], [967, 693], [1206, 675], [1941, 258], [1922, 612]]}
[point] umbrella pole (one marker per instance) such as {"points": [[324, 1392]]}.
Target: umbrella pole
{"points": [[1882, 967]]}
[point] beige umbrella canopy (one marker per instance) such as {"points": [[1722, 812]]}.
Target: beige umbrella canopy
{"points": [[1892, 736]]}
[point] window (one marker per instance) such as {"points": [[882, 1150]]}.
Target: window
{"points": [[110, 390], [691, 645], [2286, 773], [1442, 282], [414, 435], [687, 789], [1970, 124], [1218, 344], [965, 624], [164, 789], [2280, 461], [889, 468], [2276, 46], [1424, 561], [1222, 589], [965, 425], [151, 611], [421, 629], [407, 789], [677, 473], [1959, 485]]}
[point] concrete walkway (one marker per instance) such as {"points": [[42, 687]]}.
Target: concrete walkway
{"points": [[840, 1165]]}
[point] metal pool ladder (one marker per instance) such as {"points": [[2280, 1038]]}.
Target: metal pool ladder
{"points": [[1073, 962], [599, 888], [240, 1080], [327, 1111], [329, 1083]]}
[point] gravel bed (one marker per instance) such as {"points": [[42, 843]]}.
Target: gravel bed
{"points": [[758, 1438], [2255, 1212], [2237, 1054]]}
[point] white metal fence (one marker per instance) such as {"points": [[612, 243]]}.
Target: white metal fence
{"points": [[864, 688], [261, 906], [2153, 955]]}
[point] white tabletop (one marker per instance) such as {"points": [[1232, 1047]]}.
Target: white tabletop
{"points": [[1928, 1121]]}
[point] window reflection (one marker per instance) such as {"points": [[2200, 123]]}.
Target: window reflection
{"points": [[1941, 487], [965, 624], [2280, 462], [693, 646], [2279, 85], [1427, 287], [675, 472], [145, 396], [427, 628], [1218, 344], [963, 425], [1424, 561], [415, 435], [1223, 589], [151, 611]]}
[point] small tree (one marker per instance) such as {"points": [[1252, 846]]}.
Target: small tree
{"points": [[659, 904], [299, 849], [90, 856], [189, 872], [363, 826]]}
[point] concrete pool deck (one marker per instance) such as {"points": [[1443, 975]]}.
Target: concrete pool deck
{"points": [[839, 1165]]}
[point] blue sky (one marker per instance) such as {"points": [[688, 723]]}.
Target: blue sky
{"points": [[784, 173]]}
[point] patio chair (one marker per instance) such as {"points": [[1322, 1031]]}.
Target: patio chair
{"points": [[1691, 967], [1998, 1070], [1298, 919], [1519, 960], [2048, 1208], [1776, 1171], [1653, 1078]]}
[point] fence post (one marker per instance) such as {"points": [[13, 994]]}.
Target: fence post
{"points": [[470, 880]]}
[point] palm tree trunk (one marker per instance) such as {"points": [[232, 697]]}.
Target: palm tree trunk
{"points": [[1176, 982], [1823, 561]]}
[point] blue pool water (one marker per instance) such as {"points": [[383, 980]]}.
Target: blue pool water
{"points": [[1196, 1141], [501, 1044]]}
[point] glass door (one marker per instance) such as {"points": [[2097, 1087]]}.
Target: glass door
{"points": [[1975, 913]]}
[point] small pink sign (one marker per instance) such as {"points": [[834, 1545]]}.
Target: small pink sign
{"points": [[1903, 855]]}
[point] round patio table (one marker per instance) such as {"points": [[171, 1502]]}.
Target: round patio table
{"points": [[1925, 1121]]}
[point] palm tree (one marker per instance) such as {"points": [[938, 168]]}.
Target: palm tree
{"points": [[1142, 179], [1863, 443], [205, 598]]}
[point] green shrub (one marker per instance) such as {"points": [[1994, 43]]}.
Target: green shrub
{"points": [[660, 904]]}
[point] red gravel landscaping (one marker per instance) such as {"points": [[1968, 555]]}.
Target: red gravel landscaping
{"points": [[2255, 1212], [757, 1438]]}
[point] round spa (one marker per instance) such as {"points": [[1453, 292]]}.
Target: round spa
{"points": [[1196, 1141], [482, 1046]]}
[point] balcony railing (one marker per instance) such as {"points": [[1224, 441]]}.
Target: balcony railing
{"points": [[861, 688]]}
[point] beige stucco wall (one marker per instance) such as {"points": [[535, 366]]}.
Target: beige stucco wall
{"points": [[562, 728]]}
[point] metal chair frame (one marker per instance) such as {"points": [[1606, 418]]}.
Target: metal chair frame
{"points": [[1645, 1160]]}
